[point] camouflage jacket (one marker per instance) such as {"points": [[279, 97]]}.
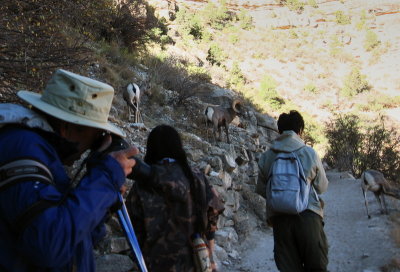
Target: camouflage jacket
{"points": [[165, 215]]}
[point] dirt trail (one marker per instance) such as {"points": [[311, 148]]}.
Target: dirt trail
{"points": [[356, 243]]}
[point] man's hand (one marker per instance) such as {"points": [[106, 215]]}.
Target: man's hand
{"points": [[124, 157]]}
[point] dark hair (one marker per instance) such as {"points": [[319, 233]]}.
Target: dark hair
{"points": [[164, 142], [291, 121]]}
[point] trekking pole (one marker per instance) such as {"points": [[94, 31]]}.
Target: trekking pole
{"points": [[130, 234]]}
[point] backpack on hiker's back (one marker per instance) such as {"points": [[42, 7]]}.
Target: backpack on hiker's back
{"points": [[287, 188]]}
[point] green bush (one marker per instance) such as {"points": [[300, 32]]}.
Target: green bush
{"points": [[236, 78], [357, 147], [336, 46], [233, 38], [216, 55], [293, 34], [269, 93], [343, 134], [294, 5], [245, 20], [379, 150], [199, 73], [363, 17], [371, 41], [157, 34], [313, 132], [313, 3], [354, 83], [189, 23], [216, 16], [379, 102], [341, 18], [311, 88]]}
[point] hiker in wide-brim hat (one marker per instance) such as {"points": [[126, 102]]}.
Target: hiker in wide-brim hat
{"points": [[45, 224]]}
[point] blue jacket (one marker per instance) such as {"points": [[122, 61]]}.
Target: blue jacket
{"points": [[62, 236]]}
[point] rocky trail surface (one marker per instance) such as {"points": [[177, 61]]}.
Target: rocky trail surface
{"points": [[356, 243]]}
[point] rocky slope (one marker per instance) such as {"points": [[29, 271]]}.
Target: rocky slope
{"points": [[231, 168]]}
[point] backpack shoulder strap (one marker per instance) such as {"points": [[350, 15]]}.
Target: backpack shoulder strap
{"points": [[26, 169], [22, 170]]}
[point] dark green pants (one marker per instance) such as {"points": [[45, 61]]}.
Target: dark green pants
{"points": [[300, 243]]}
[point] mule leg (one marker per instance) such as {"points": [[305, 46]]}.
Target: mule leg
{"points": [[378, 198], [366, 202], [215, 132], [219, 134], [227, 133], [129, 113], [384, 204]]}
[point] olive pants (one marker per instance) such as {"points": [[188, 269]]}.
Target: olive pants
{"points": [[300, 243]]}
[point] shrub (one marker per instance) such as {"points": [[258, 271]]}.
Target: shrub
{"points": [[354, 83], [189, 23], [379, 102], [357, 147], [311, 88], [360, 25], [371, 41], [236, 77], [215, 55], [216, 16], [313, 3], [294, 5], [159, 35], [379, 150], [293, 34], [233, 38], [335, 46], [245, 20], [172, 74], [341, 18], [269, 93], [343, 134]]}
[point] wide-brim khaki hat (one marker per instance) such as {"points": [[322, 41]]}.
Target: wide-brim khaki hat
{"points": [[76, 99]]}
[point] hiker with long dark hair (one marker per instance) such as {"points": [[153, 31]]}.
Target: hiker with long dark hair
{"points": [[172, 205]]}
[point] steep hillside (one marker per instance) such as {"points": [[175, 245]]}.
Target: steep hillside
{"points": [[308, 51]]}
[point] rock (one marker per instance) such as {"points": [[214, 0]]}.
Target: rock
{"points": [[119, 244], [113, 262], [229, 163], [242, 158], [232, 200], [252, 170], [216, 163], [194, 154], [226, 237], [234, 255], [220, 252], [207, 169], [266, 121], [226, 179], [139, 126]]}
